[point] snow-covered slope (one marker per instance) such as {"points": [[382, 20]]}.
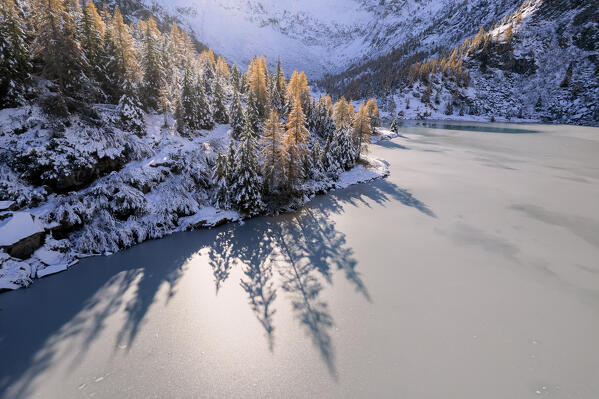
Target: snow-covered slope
{"points": [[326, 36], [547, 70], [154, 185]]}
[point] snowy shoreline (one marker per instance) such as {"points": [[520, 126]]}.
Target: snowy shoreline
{"points": [[20, 273]]}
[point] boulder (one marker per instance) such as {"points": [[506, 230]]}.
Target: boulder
{"points": [[20, 234], [6, 205]]}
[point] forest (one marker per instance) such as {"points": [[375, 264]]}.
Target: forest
{"points": [[67, 57]]}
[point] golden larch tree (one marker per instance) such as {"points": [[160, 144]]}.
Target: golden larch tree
{"points": [[222, 68], [256, 76], [372, 109], [295, 145], [340, 114], [361, 130]]}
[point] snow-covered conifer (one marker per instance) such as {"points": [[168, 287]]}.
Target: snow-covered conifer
{"points": [[220, 181], [219, 106], [236, 118], [130, 111], [345, 150], [91, 32], [394, 126], [56, 45], [317, 170], [153, 71], [252, 115], [246, 182], [272, 152], [14, 55], [329, 155]]}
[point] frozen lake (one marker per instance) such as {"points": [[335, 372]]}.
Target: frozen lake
{"points": [[471, 272]]}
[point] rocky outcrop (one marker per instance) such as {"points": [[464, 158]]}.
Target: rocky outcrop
{"points": [[20, 234]]}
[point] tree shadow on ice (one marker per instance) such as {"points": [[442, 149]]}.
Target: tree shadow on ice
{"points": [[297, 253], [381, 192], [61, 315]]}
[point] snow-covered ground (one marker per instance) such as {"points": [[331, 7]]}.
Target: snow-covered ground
{"points": [[163, 186]]}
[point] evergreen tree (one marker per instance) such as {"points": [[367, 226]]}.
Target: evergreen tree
{"points": [[204, 110], [231, 163], [252, 115], [208, 65], [236, 116], [130, 111], [329, 157], [394, 126], [311, 114], [194, 111], [317, 170], [55, 45], [220, 180], [153, 72], [14, 55], [344, 149], [295, 145], [91, 32], [278, 90], [272, 152], [235, 78], [322, 122], [246, 183], [219, 106], [121, 64], [170, 87]]}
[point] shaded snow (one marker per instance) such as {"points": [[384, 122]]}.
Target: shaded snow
{"points": [[4, 205], [17, 226]]}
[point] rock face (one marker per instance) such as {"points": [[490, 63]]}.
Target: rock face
{"points": [[20, 234], [25, 247]]}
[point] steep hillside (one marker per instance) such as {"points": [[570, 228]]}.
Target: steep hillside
{"points": [[539, 63], [326, 37], [114, 131], [362, 48]]}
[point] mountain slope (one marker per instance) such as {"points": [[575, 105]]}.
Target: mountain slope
{"points": [[327, 37]]}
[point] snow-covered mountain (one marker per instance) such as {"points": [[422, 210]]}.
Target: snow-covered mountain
{"points": [[540, 62], [363, 48], [325, 36]]}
